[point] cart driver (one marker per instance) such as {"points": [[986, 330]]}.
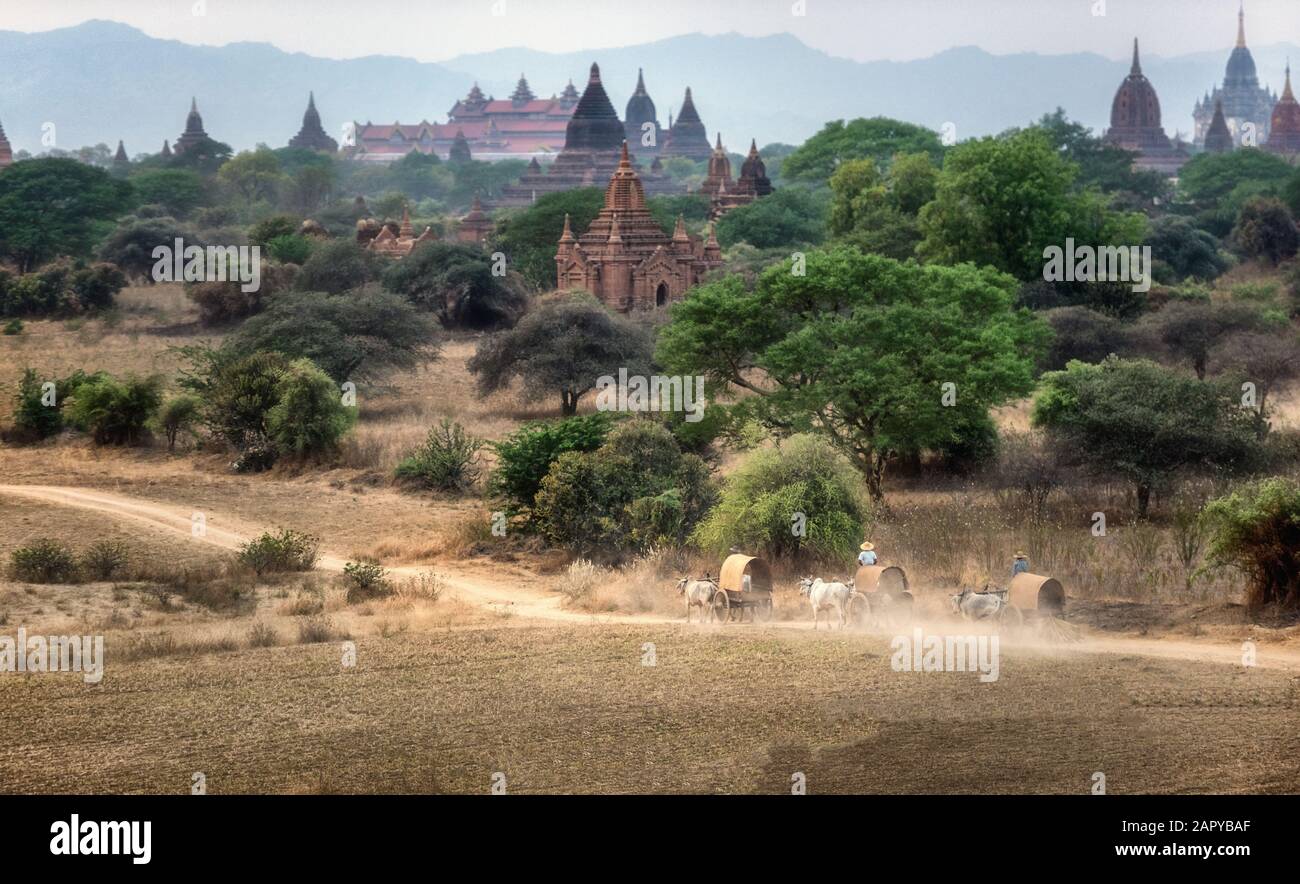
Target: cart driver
{"points": [[1020, 565], [868, 554]]}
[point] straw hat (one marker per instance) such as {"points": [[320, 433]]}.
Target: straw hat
{"points": [[1021, 555], [867, 547]]}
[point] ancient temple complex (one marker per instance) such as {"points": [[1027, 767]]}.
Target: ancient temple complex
{"points": [[476, 226], [194, 132], [312, 135], [592, 143], [625, 259], [401, 243], [6, 150], [1135, 123], [725, 193], [1218, 138], [641, 122], [686, 136], [1247, 106], [1284, 126], [520, 126]]}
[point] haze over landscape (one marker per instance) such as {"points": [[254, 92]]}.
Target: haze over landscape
{"points": [[91, 78]]}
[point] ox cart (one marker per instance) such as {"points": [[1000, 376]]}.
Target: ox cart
{"points": [[745, 584], [1032, 595], [882, 591]]}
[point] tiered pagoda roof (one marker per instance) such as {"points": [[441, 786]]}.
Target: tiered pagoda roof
{"points": [[687, 136], [312, 135], [1284, 134]]}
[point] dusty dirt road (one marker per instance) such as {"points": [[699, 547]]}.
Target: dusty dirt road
{"points": [[229, 533], [559, 705]]}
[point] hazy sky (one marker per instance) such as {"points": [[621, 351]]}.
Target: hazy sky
{"points": [[433, 30]]}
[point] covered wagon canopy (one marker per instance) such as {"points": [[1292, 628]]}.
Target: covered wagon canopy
{"points": [[736, 567], [1034, 592], [886, 579]]}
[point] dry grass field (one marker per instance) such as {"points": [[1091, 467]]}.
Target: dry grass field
{"points": [[480, 663]]}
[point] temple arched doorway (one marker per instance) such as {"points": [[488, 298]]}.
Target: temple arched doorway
{"points": [[661, 294]]}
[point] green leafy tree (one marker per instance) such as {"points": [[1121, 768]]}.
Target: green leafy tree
{"points": [[351, 337], [1216, 185], [878, 139], [205, 156], [1181, 250], [178, 191], [309, 416], [115, 412], [636, 491], [804, 483], [178, 414], [880, 213], [53, 207], [525, 456], [1189, 330], [1143, 423], [338, 266], [131, 244], [562, 347], [1102, 165], [1002, 201], [252, 175], [456, 281], [859, 348], [789, 217], [529, 237], [1257, 530], [1265, 230]]}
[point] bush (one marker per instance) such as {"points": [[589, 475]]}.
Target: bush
{"points": [[338, 266], [761, 502], [448, 460], [178, 415], [36, 417], [104, 559], [368, 580], [97, 286], [13, 327], [1257, 530], [1265, 230], [115, 412], [350, 337], [456, 282], [281, 552], [636, 491], [525, 456], [43, 561], [263, 232], [130, 246], [309, 416], [290, 249], [221, 302]]}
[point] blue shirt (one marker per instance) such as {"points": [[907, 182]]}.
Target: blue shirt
{"points": [[1020, 567], [866, 557]]}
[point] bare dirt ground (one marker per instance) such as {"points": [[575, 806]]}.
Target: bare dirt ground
{"points": [[562, 701], [499, 674]]}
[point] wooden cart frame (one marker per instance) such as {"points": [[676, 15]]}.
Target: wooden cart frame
{"points": [[745, 584]]}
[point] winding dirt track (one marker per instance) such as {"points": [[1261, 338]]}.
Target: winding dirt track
{"points": [[529, 603]]}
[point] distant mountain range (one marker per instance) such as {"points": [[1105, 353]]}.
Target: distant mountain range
{"points": [[103, 81]]}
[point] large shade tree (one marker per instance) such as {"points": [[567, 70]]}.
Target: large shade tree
{"points": [[861, 349], [1143, 423], [53, 207]]}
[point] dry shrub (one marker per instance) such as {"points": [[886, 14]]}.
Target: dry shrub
{"points": [[426, 586], [153, 645], [315, 630], [581, 580], [263, 635], [303, 604]]}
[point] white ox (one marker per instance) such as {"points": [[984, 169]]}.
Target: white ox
{"points": [[697, 593], [825, 596], [977, 605]]}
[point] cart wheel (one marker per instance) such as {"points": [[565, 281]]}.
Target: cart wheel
{"points": [[900, 608], [860, 611], [763, 610], [721, 606], [1012, 617]]}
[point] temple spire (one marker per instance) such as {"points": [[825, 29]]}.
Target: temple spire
{"points": [[1286, 91], [1136, 70], [1241, 25]]}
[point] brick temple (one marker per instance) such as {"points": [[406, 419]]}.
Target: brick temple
{"points": [[625, 259], [593, 140]]}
